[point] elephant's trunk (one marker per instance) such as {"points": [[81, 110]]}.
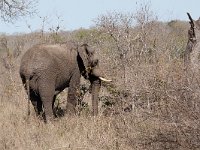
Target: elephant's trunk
{"points": [[96, 84], [95, 79]]}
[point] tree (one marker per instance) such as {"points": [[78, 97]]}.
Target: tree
{"points": [[130, 34], [11, 10], [119, 27]]}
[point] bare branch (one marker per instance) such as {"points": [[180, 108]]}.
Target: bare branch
{"points": [[191, 32], [11, 10], [190, 18]]}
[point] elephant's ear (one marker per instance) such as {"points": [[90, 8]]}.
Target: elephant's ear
{"points": [[83, 53]]}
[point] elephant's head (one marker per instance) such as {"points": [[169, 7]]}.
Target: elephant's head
{"points": [[89, 67], [89, 63]]}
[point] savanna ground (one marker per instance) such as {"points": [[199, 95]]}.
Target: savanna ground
{"points": [[152, 103]]}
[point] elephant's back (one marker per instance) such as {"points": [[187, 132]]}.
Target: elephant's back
{"points": [[46, 57], [35, 57]]}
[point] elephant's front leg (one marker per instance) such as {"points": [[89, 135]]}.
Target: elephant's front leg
{"points": [[73, 90]]}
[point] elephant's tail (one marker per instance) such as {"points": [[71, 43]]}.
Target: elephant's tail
{"points": [[28, 93]]}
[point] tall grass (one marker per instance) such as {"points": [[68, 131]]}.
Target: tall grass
{"points": [[163, 97]]}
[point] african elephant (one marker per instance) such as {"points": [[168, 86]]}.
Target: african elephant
{"points": [[46, 70]]}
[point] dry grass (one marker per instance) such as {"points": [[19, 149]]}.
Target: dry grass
{"points": [[165, 108]]}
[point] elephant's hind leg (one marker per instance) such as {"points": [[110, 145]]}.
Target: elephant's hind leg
{"points": [[36, 101], [47, 90]]}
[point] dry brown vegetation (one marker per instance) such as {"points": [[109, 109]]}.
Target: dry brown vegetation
{"points": [[151, 104]]}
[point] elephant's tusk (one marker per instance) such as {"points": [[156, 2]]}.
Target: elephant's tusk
{"points": [[106, 80]]}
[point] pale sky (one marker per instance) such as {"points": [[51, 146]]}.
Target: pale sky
{"points": [[75, 14]]}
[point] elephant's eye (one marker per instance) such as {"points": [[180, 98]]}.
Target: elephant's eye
{"points": [[95, 62]]}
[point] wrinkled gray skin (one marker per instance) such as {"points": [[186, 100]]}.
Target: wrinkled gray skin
{"points": [[46, 70], [192, 52]]}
